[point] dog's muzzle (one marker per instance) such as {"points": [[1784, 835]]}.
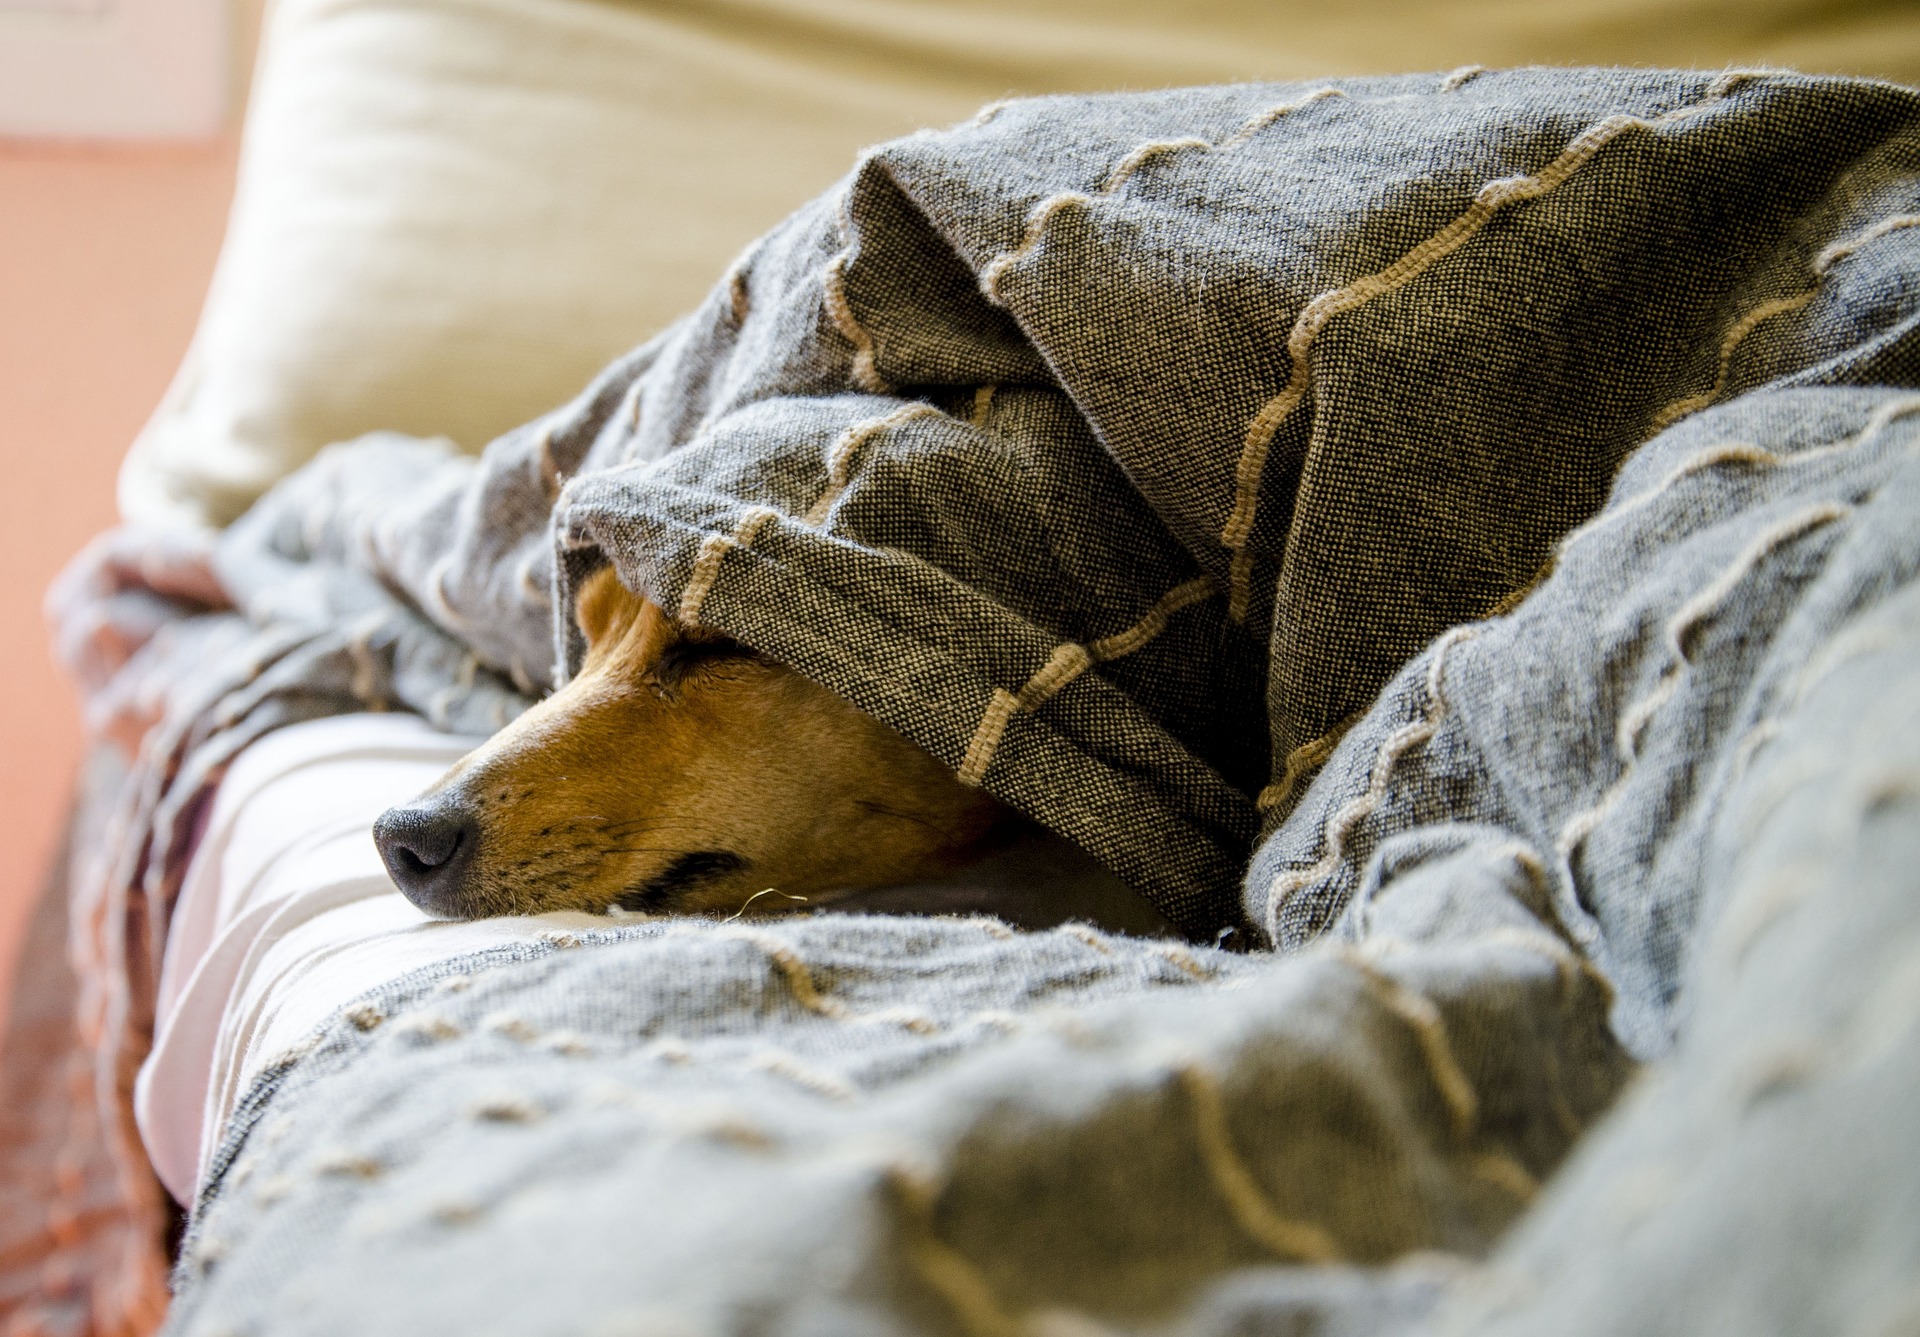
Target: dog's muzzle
{"points": [[429, 848]]}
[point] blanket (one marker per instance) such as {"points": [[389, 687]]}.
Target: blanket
{"points": [[1121, 451], [923, 1126]]}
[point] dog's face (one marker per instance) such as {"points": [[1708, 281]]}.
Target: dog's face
{"points": [[678, 771]]}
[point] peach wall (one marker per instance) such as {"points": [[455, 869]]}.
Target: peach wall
{"points": [[104, 259]]}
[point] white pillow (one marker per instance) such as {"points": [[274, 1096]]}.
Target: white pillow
{"points": [[452, 212]]}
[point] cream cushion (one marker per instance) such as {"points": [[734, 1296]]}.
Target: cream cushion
{"points": [[451, 212]]}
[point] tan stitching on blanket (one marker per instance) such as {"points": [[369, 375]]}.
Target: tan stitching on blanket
{"points": [[1844, 649], [947, 1271], [1430, 1029], [998, 1018], [1733, 452], [1833, 656], [1488, 201], [840, 456], [343, 1164], [1699, 609], [437, 596], [1739, 330], [785, 1065], [1295, 1241], [1730, 80], [982, 405], [506, 1107], [1037, 221], [523, 682], [706, 566], [906, 1018], [636, 402], [988, 112], [670, 1049], [1185, 960], [1506, 1174], [1044, 212], [986, 736], [510, 1025], [1155, 622], [1461, 77], [1067, 662], [1086, 934], [1065, 1323], [1690, 617], [1570, 965], [799, 978], [1145, 154], [440, 704], [866, 375], [572, 1044], [428, 1026], [1259, 121], [1741, 453], [551, 478], [536, 590], [1766, 311], [739, 300], [365, 685], [1347, 818], [365, 1017], [1840, 250], [1762, 733], [1302, 762]]}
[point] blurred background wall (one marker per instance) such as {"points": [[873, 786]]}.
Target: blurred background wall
{"points": [[104, 257], [113, 200], [108, 236]]}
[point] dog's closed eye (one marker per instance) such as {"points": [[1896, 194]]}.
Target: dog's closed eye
{"points": [[686, 656]]}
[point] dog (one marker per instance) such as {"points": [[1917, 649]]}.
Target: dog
{"points": [[680, 772]]}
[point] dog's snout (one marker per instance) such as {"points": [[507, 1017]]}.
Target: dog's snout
{"points": [[429, 849]]}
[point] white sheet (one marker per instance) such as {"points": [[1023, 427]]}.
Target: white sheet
{"points": [[286, 915]]}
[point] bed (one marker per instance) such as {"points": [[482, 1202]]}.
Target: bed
{"points": [[1447, 616]]}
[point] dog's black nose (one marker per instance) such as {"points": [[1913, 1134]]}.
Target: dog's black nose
{"points": [[429, 847]]}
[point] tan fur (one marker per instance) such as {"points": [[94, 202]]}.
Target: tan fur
{"points": [[675, 753]]}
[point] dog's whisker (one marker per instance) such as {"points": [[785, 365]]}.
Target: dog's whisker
{"points": [[764, 891], [879, 809], [650, 824]]}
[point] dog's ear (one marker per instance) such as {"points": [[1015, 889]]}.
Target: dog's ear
{"points": [[627, 628], [603, 607]]}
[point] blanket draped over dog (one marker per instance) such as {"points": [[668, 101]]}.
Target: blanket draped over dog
{"points": [[1195, 472]]}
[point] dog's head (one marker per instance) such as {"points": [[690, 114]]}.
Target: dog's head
{"points": [[679, 771]]}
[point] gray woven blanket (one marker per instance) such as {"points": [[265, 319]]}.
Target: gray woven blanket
{"points": [[1195, 471]]}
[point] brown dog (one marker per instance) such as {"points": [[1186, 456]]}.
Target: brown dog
{"points": [[679, 771]]}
